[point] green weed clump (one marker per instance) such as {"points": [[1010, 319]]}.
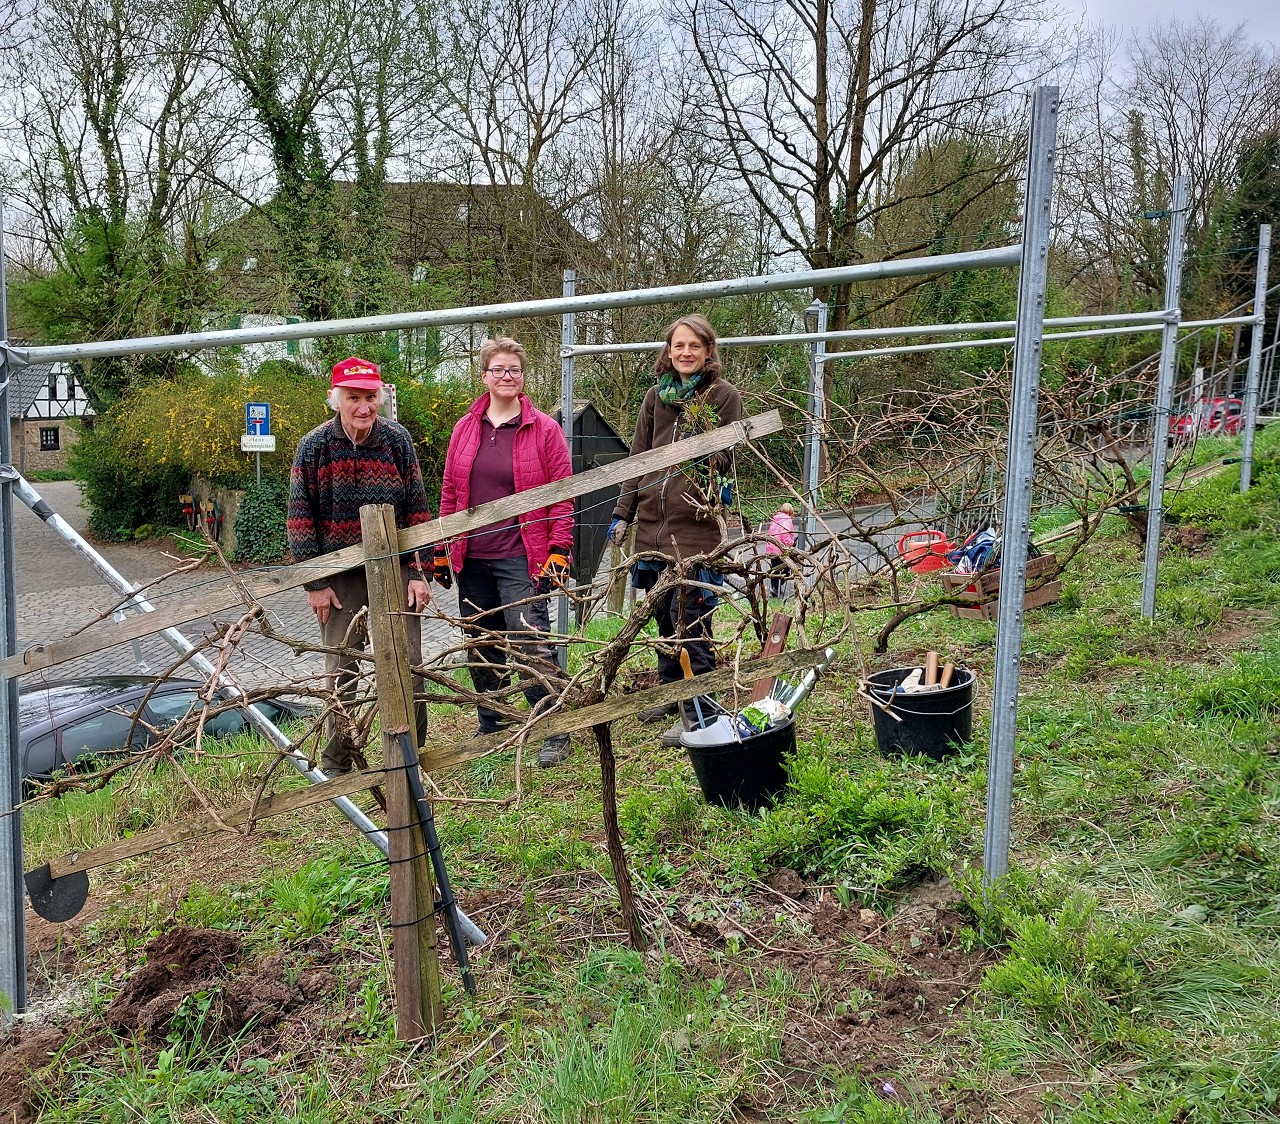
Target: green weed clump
{"points": [[1062, 965], [1249, 685], [637, 1045], [863, 829], [1224, 842], [1218, 505]]}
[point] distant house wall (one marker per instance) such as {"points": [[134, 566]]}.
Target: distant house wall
{"points": [[43, 443], [48, 399]]}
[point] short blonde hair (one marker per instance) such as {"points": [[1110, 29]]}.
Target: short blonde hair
{"points": [[498, 346]]}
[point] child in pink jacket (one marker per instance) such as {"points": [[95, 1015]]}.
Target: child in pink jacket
{"points": [[782, 536]]}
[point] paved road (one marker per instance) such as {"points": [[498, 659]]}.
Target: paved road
{"points": [[59, 592]]}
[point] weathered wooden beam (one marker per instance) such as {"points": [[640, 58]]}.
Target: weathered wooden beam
{"points": [[725, 679], [414, 952], [234, 593]]}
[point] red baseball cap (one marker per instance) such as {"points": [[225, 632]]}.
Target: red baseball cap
{"points": [[358, 374]]}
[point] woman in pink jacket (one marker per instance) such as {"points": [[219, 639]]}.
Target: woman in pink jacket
{"points": [[501, 446], [782, 536]]}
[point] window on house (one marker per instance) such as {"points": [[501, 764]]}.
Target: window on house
{"points": [[49, 439], [53, 387]]}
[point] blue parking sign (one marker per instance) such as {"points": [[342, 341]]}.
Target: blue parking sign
{"points": [[257, 418]]}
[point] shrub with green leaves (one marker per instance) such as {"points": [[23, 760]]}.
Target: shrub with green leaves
{"points": [[196, 421], [260, 522], [124, 489], [1059, 965]]}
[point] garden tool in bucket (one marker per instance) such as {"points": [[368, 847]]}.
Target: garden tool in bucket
{"points": [[696, 703]]}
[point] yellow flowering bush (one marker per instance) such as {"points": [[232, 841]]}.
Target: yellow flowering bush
{"points": [[196, 421]]}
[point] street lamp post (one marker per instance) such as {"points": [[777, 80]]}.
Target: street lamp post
{"points": [[815, 323]]}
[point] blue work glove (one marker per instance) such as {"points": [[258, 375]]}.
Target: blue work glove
{"points": [[618, 531]]}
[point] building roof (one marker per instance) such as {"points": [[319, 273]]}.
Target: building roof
{"points": [[26, 385], [473, 233]]}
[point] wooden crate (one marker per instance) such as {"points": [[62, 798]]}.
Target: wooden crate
{"points": [[984, 590]]}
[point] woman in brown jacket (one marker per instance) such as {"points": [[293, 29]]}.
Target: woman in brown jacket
{"points": [[674, 510]]}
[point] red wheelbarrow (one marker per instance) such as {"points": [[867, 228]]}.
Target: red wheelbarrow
{"points": [[922, 551]]}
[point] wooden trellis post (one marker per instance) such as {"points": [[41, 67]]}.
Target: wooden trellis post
{"points": [[419, 1007]]}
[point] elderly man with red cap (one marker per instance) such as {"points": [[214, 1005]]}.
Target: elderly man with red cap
{"points": [[353, 459]]}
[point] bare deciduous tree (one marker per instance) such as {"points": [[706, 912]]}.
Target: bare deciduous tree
{"points": [[1181, 99], [822, 105], [117, 118]]}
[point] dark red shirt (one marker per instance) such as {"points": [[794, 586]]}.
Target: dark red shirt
{"points": [[493, 478]]}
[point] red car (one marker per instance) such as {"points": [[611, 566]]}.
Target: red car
{"points": [[1218, 416]]}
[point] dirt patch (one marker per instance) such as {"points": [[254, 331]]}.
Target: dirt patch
{"points": [[53, 948], [872, 992], [788, 883], [192, 984], [1238, 628], [26, 1054], [1194, 540]]}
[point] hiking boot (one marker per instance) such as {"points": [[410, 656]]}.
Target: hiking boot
{"points": [[657, 713], [555, 749], [672, 736], [690, 719]]}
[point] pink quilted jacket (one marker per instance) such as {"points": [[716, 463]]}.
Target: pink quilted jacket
{"points": [[539, 455]]}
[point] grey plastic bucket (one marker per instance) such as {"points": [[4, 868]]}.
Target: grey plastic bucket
{"points": [[934, 723]]}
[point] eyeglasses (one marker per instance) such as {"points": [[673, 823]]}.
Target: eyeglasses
{"points": [[509, 372]]}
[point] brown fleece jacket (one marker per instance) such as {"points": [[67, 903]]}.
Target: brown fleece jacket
{"points": [[672, 508]]}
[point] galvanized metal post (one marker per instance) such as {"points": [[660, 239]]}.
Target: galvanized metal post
{"points": [[1164, 392], [13, 938], [568, 330], [1273, 399], [1255, 355], [814, 429], [1019, 469]]}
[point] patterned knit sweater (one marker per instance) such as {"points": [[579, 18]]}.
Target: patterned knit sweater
{"points": [[333, 478]]}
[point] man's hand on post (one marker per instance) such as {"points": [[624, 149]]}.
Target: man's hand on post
{"points": [[618, 531], [321, 601]]}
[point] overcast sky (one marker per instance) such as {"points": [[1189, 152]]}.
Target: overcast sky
{"points": [[1261, 17]]}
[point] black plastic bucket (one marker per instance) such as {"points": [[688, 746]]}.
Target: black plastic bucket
{"points": [[746, 774], [935, 723]]}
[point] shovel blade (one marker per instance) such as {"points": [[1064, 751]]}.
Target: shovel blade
{"points": [[57, 899]]}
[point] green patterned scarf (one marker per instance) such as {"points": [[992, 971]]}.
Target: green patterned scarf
{"points": [[675, 393]]}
